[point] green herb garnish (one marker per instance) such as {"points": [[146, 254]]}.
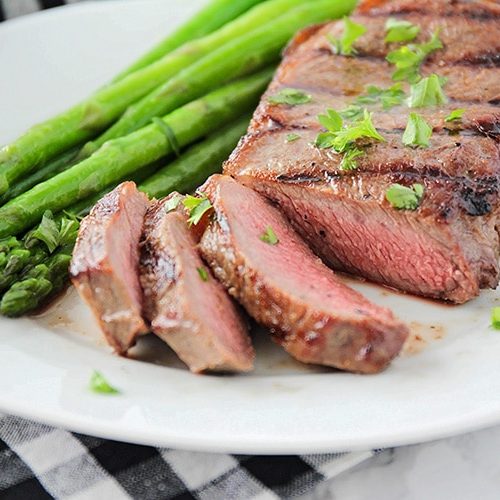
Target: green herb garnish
{"points": [[344, 44], [427, 92], [388, 98], [349, 159], [409, 58], [292, 137], [342, 137], [352, 112], [100, 385], [52, 233], [495, 318], [399, 30], [292, 97], [203, 273], [172, 203], [405, 198], [418, 131], [197, 206], [269, 236], [455, 115]]}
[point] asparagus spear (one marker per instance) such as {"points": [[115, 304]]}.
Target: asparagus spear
{"points": [[216, 14], [123, 156], [43, 280], [62, 162], [197, 163], [48, 276], [81, 122], [241, 56]]}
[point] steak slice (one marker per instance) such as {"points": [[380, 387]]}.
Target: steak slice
{"points": [[190, 311], [449, 247], [104, 267], [311, 313]]}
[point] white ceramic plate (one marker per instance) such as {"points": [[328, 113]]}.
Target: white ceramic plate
{"points": [[447, 381]]}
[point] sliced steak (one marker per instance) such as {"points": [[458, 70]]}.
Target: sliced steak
{"points": [[449, 247], [187, 308], [316, 317], [104, 267]]}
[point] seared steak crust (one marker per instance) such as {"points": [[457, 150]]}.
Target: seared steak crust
{"points": [[316, 317], [104, 267], [455, 230], [196, 318]]}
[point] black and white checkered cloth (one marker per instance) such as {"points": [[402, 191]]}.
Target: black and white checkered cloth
{"points": [[38, 461]]}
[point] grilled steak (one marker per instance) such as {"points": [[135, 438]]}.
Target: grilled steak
{"points": [[316, 317], [187, 308], [104, 267], [449, 247]]}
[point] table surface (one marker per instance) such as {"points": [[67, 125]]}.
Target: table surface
{"points": [[460, 468]]}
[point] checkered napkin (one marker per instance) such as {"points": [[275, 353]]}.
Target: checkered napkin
{"points": [[38, 461]]}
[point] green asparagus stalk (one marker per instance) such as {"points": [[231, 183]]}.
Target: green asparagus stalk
{"points": [[216, 14], [123, 156], [40, 282], [45, 277], [241, 56], [53, 167], [83, 121], [197, 163]]}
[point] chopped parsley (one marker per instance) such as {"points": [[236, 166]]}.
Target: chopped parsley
{"points": [[349, 159], [292, 137], [405, 198], [342, 137], [352, 112], [203, 273], [100, 385], [197, 206], [388, 98], [495, 318], [269, 236], [455, 115], [292, 97], [344, 44], [409, 58], [173, 202], [427, 92], [418, 131], [399, 30], [52, 233]]}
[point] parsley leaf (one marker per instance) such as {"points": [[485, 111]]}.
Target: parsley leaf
{"points": [[203, 273], [455, 115], [495, 318], [409, 58], [344, 44], [292, 97], [292, 137], [405, 198], [47, 232], [399, 30], [269, 236], [352, 112], [100, 385], [342, 138], [349, 160], [427, 92], [197, 207], [393, 96], [417, 132], [173, 202]]}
